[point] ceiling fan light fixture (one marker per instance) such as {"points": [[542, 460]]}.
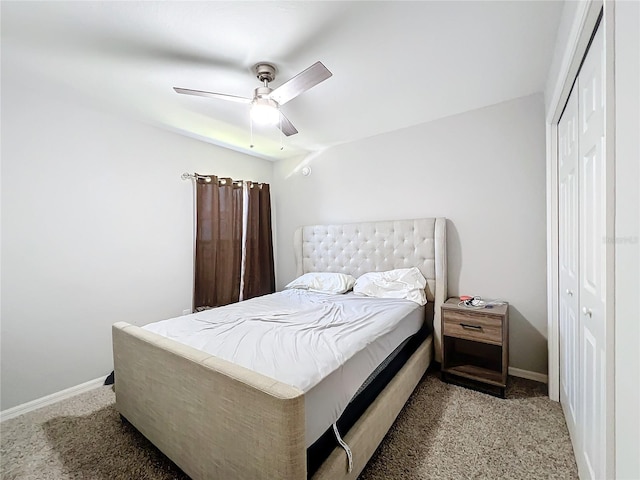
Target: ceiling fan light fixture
{"points": [[264, 111]]}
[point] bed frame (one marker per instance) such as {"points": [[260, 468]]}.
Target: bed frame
{"points": [[217, 420]]}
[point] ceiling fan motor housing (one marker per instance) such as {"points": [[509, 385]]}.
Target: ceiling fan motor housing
{"points": [[262, 92], [261, 99]]}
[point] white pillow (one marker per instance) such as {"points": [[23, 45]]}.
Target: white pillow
{"points": [[323, 282], [405, 283]]}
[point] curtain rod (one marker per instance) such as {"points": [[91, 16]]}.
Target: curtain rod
{"points": [[208, 178], [187, 176]]}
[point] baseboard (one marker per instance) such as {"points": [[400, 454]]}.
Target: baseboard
{"points": [[538, 377], [50, 399]]}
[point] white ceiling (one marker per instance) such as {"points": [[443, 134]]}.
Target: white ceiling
{"points": [[395, 64]]}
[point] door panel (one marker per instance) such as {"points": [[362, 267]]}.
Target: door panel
{"points": [[589, 246], [592, 221], [568, 261], [589, 420]]}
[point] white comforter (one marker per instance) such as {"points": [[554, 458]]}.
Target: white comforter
{"points": [[296, 337]]}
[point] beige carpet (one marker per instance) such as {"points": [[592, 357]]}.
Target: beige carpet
{"points": [[444, 432]]}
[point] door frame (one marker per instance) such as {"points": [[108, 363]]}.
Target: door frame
{"points": [[582, 28]]}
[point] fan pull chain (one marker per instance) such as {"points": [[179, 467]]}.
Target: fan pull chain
{"points": [[280, 120], [251, 130]]}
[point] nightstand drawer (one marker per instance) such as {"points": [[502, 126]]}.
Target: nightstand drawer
{"points": [[473, 326]]}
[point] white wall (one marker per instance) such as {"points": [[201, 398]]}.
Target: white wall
{"points": [[566, 30], [96, 228], [627, 228], [484, 170]]}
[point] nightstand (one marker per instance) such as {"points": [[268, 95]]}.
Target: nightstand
{"points": [[475, 346]]}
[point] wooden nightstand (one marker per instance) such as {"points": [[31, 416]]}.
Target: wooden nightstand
{"points": [[475, 346]]}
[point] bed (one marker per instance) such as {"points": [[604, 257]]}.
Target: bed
{"points": [[217, 419]]}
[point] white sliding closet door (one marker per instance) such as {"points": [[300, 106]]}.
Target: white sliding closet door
{"points": [[582, 236], [568, 233], [592, 256]]}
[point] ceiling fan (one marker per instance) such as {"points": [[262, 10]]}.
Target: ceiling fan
{"points": [[266, 102]]}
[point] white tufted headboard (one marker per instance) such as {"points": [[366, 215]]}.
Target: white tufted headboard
{"points": [[358, 248]]}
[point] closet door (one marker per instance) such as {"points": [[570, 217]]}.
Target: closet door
{"points": [[592, 269], [582, 246], [568, 261]]}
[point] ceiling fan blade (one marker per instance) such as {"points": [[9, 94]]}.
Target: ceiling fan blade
{"points": [[302, 82], [286, 126], [221, 96]]}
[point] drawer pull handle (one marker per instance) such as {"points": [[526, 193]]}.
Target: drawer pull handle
{"points": [[472, 327]]}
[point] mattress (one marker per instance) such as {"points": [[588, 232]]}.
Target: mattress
{"points": [[320, 450], [326, 402], [325, 345]]}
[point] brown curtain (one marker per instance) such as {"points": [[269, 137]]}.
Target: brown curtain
{"points": [[218, 241], [259, 276]]}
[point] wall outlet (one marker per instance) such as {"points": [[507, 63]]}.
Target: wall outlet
{"points": [[186, 311]]}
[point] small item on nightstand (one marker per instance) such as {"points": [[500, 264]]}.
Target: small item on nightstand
{"points": [[477, 302], [471, 302]]}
